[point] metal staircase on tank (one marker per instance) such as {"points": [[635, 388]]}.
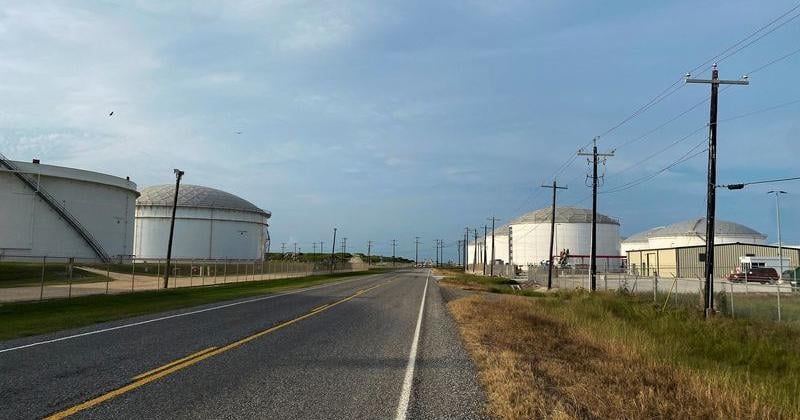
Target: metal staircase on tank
{"points": [[58, 208]]}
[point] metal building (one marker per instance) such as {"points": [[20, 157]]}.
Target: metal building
{"points": [[53, 211], [209, 224], [692, 232], [689, 261], [530, 239]]}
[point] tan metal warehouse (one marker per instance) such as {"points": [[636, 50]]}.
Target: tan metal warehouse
{"points": [[688, 261]]}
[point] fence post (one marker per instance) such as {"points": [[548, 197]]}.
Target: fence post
{"points": [[71, 260], [225, 271], [655, 287], [108, 274], [778, 288], [41, 288], [203, 273], [733, 314], [133, 272]]}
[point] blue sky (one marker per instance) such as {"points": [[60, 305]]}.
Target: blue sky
{"points": [[392, 120]]}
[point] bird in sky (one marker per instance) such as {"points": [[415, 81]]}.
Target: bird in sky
{"points": [[111, 113], [238, 132]]}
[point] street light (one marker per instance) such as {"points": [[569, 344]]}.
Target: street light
{"points": [[780, 243], [178, 175]]}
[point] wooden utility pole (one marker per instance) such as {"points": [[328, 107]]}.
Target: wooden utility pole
{"points": [[369, 253], [485, 232], [491, 265], [475, 251], [333, 252], [466, 247], [394, 245], [711, 200], [595, 158], [555, 188], [416, 250]]}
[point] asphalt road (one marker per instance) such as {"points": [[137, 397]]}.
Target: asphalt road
{"points": [[355, 349]]}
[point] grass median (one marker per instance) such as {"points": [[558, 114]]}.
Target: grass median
{"points": [[26, 318]]}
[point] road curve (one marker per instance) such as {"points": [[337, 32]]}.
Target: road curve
{"points": [[336, 351]]}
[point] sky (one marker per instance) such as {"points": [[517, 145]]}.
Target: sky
{"points": [[397, 119]]}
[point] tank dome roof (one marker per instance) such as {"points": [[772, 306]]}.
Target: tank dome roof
{"points": [[564, 215], [196, 196]]}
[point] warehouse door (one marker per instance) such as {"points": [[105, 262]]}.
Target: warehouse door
{"points": [[652, 265]]}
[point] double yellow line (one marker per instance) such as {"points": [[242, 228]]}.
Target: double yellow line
{"points": [[184, 362]]}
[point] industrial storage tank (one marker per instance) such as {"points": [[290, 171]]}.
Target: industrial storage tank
{"points": [[53, 211], [530, 238], [693, 232], [209, 224]]}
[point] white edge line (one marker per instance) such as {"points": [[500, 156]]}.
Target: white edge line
{"points": [[163, 318], [405, 394]]}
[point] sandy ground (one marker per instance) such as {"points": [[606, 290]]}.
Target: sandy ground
{"points": [[126, 283]]}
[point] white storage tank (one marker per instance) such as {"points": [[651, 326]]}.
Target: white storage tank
{"points": [[54, 211], [530, 238], [209, 224], [693, 232]]}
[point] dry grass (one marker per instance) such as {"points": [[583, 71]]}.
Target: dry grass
{"points": [[533, 364]]}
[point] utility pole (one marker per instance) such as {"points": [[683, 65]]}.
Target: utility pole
{"points": [[555, 188], [344, 247], [436, 259], [283, 249], [711, 200], [595, 160], [485, 232], [491, 266], [295, 248], [466, 247], [333, 252], [511, 252], [314, 245], [416, 250], [394, 245], [778, 216], [369, 253], [459, 252], [178, 175], [475, 251]]}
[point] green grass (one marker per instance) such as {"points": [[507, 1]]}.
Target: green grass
{"points": [[13, 274], [761, 306], [24, 319], [489, 284], [761, 358]]}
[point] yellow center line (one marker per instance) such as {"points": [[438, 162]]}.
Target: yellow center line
{"points": [[172, 367], [319, 308], [169, 365]]}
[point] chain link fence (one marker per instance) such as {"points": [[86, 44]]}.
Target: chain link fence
{"points": [[762, 296], [24, 278]]}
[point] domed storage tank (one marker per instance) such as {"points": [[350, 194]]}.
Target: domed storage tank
{"points": [[53, 211], [209, 224], [530, 238], [693, 232]]}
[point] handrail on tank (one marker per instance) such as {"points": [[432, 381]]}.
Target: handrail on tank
{"points": [[58, 207]]}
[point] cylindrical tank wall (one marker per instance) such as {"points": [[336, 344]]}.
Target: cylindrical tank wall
{"points": [[531, 242], [200, 233], [103, 204]]}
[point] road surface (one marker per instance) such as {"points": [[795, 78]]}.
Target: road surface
{"points": [[379, 346]]}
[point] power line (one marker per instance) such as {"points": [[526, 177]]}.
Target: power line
{"points": [[768, 181]]}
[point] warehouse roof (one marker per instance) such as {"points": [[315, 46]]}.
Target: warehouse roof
{"points": [[564, 215], [195, 196], [695, 227]]}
